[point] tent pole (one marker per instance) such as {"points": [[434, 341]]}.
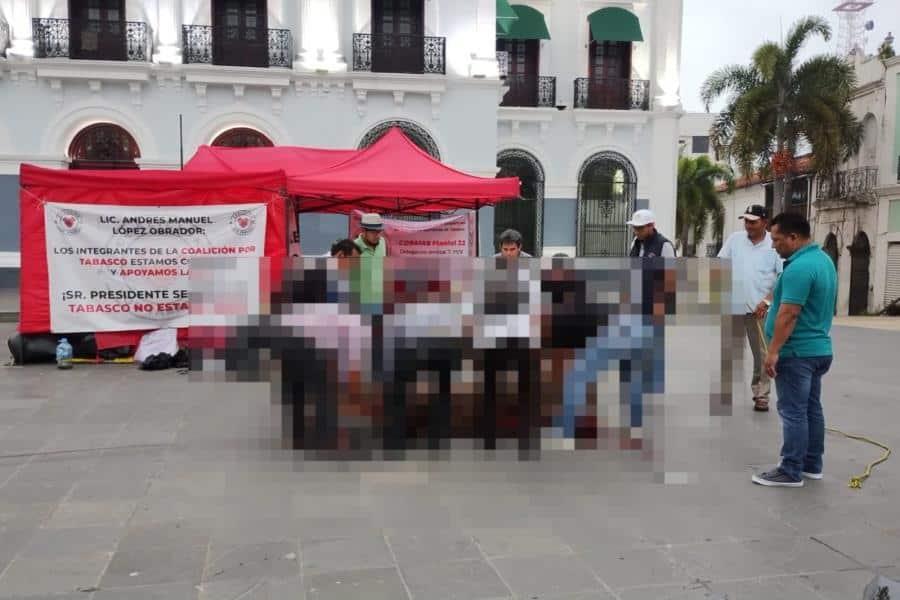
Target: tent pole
{"points": [[181, 141], [477, 228]]}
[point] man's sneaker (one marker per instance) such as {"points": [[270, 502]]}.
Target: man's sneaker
{"points": [[776, 478], [805, 474]]}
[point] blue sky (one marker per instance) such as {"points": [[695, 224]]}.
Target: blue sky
{"points": [[721, 32]]}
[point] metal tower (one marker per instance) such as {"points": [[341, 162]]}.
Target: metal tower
{"points": [[853, 27]]}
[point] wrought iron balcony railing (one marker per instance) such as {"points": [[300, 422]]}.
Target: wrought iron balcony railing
{"points": [[51, 38], [399, 53], [530, 90], [281, 48], [855, 185], [110, 40], [4, 37], [502, 63], [199, 46], [615, 94]]}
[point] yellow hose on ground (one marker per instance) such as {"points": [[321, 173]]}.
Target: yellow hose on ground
{"points": [[855, 482]]}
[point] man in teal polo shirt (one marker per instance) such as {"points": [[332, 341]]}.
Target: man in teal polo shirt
{"points": [[798, 328]]}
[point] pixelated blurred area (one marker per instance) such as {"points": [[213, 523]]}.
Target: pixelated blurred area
{"points": [[374, 358]]}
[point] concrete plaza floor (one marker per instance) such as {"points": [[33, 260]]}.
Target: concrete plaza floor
{"points": [[117, 484]]}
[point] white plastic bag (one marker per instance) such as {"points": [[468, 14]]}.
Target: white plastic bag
{"points": [[157, 342]]}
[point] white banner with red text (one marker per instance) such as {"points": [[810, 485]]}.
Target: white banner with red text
{"points": [[123, 268]]}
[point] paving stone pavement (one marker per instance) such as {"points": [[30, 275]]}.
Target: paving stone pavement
{"points": [[121, 485]]}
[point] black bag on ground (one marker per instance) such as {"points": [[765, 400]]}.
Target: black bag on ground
{"points": [[157, 362], [32, 349]]}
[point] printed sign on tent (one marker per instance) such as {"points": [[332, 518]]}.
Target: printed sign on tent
{"points": [[122, 268], [451, 236]]}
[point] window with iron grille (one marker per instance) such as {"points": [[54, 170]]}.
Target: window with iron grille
{"points": [[103, 146], [417, 135], [242, 137], [524, 214], [607, 189]]}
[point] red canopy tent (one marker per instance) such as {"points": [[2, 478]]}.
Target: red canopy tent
{"points": [[293, 160], [395, 175]]}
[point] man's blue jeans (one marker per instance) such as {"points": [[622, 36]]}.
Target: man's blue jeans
{"points": [[799, 385]]}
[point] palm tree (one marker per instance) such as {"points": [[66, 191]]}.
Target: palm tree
{"points": [[698, 201], [773, 105]]}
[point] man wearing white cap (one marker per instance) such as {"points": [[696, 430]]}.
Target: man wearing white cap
{"points": [[755, 267], [370, 242], [648, 242]]}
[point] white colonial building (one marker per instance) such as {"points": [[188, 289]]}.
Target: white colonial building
{"points": [[580, 98]]}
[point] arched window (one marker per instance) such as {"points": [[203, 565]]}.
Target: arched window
{"points": [[607, 186], [416, 134], [526, 214], [242, 137], [103, 146], [860, 254], [831, 249]]}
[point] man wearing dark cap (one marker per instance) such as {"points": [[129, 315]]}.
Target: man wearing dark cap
{"points": [[755, 266]]}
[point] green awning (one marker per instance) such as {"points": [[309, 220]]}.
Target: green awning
{"points": [[615, 24], [529, 26], [506, 16]]}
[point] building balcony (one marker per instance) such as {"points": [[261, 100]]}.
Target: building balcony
{"points": [[399, 53], [530, 91], [612, 94], [226, 46], [92, 40], [852, 185]]}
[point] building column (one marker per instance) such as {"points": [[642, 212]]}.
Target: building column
{"points": [[22, 44], [666, 58], [168, 42], [664, 158], [320, 38], [666, 105], [483, 50]]}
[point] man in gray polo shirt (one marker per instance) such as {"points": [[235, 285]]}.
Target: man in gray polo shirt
{"points": [[755, 268]]}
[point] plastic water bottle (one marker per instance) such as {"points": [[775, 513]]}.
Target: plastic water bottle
{"points": [[64, 354]]}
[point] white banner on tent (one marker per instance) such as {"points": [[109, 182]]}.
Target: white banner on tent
{"points": [[123, 268], [450, 236]]}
